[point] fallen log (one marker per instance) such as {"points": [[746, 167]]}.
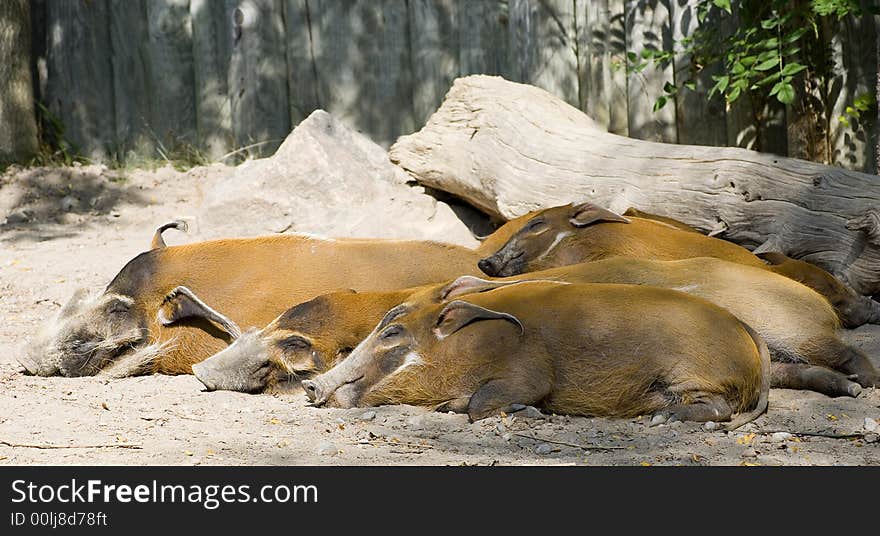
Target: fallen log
{"points": [[510, 148]]}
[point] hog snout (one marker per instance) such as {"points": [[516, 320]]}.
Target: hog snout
{"points": [[37, 368], [489, 266], [206, 375]]}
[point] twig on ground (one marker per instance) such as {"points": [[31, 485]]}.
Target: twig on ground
{"points": [[856, 435], [47, 446], [584, 447]]}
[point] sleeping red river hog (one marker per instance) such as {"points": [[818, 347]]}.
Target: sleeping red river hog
{"points": [[148, 319], [570, 349], [570, 234]]}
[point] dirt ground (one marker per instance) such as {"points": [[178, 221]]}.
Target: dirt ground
{"points": [[73, 227]]}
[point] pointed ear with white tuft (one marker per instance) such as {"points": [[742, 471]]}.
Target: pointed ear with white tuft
{"points": [[587, 213], [182, 303], [458, 314]]}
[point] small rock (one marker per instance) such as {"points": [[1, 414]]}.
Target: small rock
{"points": [[749, 453], [368, 415], [711, 426], [327, 449], [340, 421], [500, 428], [416, 422], [543, 449], [506, 437], [677, 424], [779, 437], [871, 425], [17, 217], [872, 438], [657, 420], [68, 203], [531, 412]]}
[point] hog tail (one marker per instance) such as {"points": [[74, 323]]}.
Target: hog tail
{"points": [[158, 241]]}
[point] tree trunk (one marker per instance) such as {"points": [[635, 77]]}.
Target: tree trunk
{"points": [[18, 124], [509, 148]]}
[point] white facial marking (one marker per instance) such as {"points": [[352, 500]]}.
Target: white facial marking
{"points": [[411, 359], [556, 241], [687, 288]]}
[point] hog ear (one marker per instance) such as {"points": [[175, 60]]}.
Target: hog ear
{"points": [[468, 284], [182, 303], [74, 303], [588, 213], [458, 314]]}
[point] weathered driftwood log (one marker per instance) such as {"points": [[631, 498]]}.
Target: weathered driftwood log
{"points": [[510, 148]]}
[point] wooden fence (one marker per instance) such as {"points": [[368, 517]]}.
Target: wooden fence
{"points": [[142, 77]]}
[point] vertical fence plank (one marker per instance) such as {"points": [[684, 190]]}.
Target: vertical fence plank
{"points": [[131, 87], [855, 71], [211, 51], [361, 52], [483, 37], [543, 46], [699, 121], [302, 83], [170, 67], [648, 27], [258, 76], [18, 133], [596, 65], [79, 86], [617, 81], [434, 52]]}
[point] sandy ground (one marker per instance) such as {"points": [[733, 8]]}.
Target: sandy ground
{"points": [[67, 228]]}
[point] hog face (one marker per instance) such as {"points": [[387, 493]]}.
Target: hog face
{"points": [[543, 238], [89, 335], [305, 340], [406, 359]]}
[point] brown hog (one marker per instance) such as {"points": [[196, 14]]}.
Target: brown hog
{"points": [[310, 338], [144, 322], [799, 325], [570, 349], [572, 234], [852, 309]]}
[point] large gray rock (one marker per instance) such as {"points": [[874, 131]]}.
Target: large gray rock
{"points": [[329, 180]]}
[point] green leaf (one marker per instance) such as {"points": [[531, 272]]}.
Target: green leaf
{"points": [[721, 83], [632, 56], [772, 78], [691, 85], [738, 68], [734, 94], [669, 88], [769, 24], [660, 103], [776, 88], [767, 65], [722, 4], [785, 94], [794, 36], [792, 69]]}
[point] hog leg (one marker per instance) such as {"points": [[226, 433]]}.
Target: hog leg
{"points": [[456, 405], [705, 407], [499, 395], [812, 378], [833, 353]]}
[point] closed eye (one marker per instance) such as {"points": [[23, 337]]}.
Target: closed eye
{"points": [[294, 343], [390, 332], [537, 225]]}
